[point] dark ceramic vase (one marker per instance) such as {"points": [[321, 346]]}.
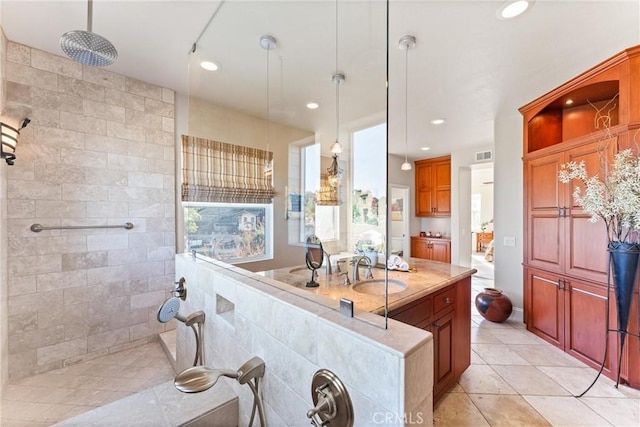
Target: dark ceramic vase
{"points": [[493, 305]]}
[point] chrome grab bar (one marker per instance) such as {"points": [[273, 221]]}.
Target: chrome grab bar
{"points": [[36, 228]]}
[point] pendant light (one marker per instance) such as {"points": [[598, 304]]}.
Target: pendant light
{"points": [[268, 43], [406, 43], [336, 147]]}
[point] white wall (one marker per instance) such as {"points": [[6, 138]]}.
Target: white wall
{"points": [[508, 206]]}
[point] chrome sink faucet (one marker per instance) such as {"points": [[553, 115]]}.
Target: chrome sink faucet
{"points": [[328, 258], [356, 264]]}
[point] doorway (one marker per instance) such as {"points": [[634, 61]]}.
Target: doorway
{"points": [[399, 225], [482, 224]]}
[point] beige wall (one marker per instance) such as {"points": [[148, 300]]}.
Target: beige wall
{"points": [[211, 121], [99, 150]]}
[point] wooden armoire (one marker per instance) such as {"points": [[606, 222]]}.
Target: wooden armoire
{"points": [[565, 254]]}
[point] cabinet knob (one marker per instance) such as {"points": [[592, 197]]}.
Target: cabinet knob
{"points": [[436, 325], [447, 300]]}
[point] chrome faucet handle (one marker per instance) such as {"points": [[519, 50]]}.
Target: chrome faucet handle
{"points": [[368, 274], [345, 278], [338, 268]]}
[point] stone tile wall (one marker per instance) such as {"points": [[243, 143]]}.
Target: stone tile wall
{"points": [[4, 293], [99, 150], [388, 373]]}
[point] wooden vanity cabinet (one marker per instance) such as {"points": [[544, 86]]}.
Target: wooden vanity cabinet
{"points": [[565, 254], [571, 314], [433, 187], [434, 249], [447, 315]]}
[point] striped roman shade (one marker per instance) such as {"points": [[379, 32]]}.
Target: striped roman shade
{"points": [[215, 171]]}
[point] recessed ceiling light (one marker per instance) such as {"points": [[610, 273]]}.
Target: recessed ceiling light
{"points": [[312, 105], [512, 8], [425, 148], [568, 101], [209, 66], [437, 121]]}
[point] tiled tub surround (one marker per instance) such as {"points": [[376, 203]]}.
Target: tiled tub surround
{"points": [[99, 150], [388, 373]]}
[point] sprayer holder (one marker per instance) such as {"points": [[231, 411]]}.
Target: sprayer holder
{"points": [[180, 289]]}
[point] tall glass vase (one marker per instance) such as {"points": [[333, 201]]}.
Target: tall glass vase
{"points": [[624, 259]]}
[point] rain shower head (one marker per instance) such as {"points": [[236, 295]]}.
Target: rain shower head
{"points": [[87, 47]]}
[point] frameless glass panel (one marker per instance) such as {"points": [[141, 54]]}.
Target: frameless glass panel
{"points": [[257, 98]]}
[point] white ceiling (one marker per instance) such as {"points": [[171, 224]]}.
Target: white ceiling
{"points": [[467, 66]]}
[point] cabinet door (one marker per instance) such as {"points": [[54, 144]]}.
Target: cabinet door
{"points": [[442, 189], [544, 310], [443, 355], [424, 188], [440, 250], [545, 197], [586, 242], [420, 248], [585, 323]]}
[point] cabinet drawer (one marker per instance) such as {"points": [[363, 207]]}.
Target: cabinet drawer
{"points": [[445, 300], [415, 314]]}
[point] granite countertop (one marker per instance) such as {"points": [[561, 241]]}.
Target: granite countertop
{"points": [[424, 277]]}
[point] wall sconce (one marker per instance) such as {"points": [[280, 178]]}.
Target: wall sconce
{"points": [[9, 133], [334, 173]]}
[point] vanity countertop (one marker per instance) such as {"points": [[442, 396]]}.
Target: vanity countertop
{"points": [[424, 277]]}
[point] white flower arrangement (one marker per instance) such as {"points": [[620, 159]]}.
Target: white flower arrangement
{"points": [[615, 198]]}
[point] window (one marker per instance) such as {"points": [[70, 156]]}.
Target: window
{"points": [[230, 232], [476, 211], [369, 210], [227, 201], [319, 220]]}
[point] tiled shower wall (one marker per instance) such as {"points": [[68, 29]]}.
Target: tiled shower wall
{"points": [[99, 150], [4, 347]]}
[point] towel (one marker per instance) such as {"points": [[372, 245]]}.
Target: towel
{"points": [[397, 263]]}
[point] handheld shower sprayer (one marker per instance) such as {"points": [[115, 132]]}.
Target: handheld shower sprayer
{"points": [[201, 378], [170, 310]]}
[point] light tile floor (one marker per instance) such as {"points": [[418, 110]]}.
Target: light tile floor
{"points": [[517, 379], [45, 399]]}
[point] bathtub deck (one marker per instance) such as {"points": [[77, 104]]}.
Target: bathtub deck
{"points": [[45, 399]]}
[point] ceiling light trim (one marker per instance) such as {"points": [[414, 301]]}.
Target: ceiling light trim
{"points": [[513, 8]]}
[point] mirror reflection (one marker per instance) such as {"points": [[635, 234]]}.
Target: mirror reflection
{"points": [[314, 254], [292, 102]]}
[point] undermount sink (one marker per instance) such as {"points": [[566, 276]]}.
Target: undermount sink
{"points": [[376, 287], [300, 270]]}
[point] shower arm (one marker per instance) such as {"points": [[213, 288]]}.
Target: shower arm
{"points": [[89, 16]]}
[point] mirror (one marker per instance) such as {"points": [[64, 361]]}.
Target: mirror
{"points": [[257, 98], [314, 255]]}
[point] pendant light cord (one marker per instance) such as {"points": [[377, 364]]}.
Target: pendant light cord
{"points": [[337, 82], [406, 104], [268, 107]]}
